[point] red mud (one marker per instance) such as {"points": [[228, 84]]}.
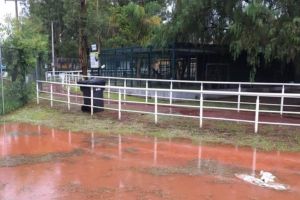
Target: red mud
{"points": [[134, 168]]}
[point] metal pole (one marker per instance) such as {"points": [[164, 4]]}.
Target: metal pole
{"points": [[92, 101], [119, 108], [36, 70], [147, 86], [239, 98], [68, 90], [2, 85], [53, 56], [282, 100], [108, 92], [16, 7], [51, 94], [256, 115], [37, 93], [171, 93], [124, 90], [201, 108], [155, 109]]}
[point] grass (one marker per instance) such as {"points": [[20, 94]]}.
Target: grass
{"points": [[239, 134], [194, 168], [19, 160]]}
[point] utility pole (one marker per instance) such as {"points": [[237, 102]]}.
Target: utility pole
{"points": [[2, 85], [52, 45], [16, 7]]}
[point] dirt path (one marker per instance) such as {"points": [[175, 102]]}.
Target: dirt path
{"points": [[41, 163]]}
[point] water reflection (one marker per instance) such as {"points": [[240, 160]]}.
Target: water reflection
{"points": [[126, 163], [120, 147], [39, 129], [155, 151], [199, 156], [69, 137], [92, 141], [3, 146], [53, 133], [253, 162]]}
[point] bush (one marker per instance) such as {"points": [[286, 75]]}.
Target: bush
{"points": [[16, 95]]}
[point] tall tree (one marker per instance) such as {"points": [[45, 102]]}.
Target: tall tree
{"points": [[83, 40]]}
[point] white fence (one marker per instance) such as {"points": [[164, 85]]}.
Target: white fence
{"points": [[283, 88], [117, 99]]}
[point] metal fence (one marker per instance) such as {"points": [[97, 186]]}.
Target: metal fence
{"points": [[278, 107], [17, 82]]}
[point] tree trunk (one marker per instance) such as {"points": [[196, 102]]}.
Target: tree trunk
{"points": [[83, 45]]}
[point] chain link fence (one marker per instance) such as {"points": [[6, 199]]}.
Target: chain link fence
{"points": [[17, 84]]}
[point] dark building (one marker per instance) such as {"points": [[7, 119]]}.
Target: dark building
{"points": [[189, 62]]}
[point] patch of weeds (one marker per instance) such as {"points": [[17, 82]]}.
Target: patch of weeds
{"points": [[197, 168], [131, 150], [13, 161]]}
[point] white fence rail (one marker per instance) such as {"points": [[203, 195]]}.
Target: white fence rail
{"points": [[117, 99], [259, 87]]}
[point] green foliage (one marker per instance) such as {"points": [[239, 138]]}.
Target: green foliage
{"points": [[16, 95], [24, 43], [133, 25], [266, 30], [109, 24], [23, 46]]}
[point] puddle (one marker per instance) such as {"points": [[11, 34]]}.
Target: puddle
{"points": [[13, 161], [196, 168], [42, 163]]}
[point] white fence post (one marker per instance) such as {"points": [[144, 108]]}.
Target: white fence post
{"points": [[51, 94], [92, 101], [108, 92], [147, 86], [37, 93], [155, 107], [256, 115], [119, 107], [72, 76], [201, 109], [239, 98], [282, 100], [125, 85], [68, 91], [171, 92]]}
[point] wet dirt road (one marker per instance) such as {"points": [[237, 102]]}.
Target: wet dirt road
{"points": [[41, 163]]}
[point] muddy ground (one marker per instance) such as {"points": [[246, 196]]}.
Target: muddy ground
{"points": [[38, 162]]}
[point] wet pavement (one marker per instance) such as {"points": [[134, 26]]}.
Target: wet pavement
{"points": [[42, 163]]}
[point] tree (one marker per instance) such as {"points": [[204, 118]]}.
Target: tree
{"points": [[134, 24], [83, 38], [48, 11], [266, 30], [24, 44]]}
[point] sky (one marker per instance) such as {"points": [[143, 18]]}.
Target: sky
{"points": [[7, 8]]}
